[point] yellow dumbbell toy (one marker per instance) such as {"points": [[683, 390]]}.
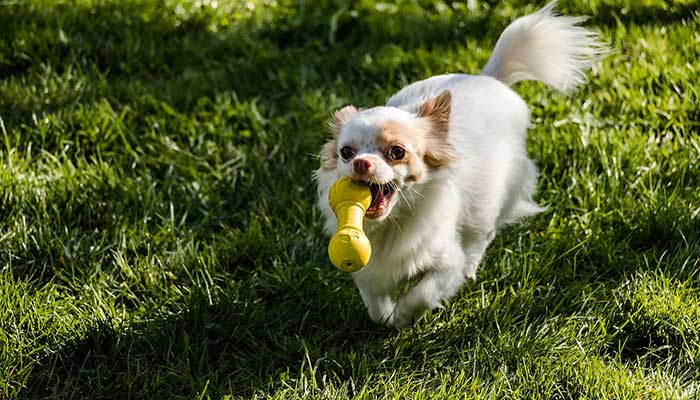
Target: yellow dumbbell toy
{"points": [[349, 249]]}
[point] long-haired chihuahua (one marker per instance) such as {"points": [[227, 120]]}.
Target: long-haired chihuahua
{"points": [[446, 163]]}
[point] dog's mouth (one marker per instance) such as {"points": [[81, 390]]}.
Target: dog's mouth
{"points": [[381, 197]]}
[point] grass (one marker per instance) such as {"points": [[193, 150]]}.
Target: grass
{"points": [[158, 237]]}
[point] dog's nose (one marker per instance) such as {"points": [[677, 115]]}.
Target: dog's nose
{"points": [[361, 166]]}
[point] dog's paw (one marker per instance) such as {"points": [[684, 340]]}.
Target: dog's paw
{"points": [[381, 315], [470, 272], [400, 323], [400, 319]]}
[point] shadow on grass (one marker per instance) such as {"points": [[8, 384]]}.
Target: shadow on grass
{"points": [[239, 346]]}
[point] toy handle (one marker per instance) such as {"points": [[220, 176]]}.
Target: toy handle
{"points": [[349, 248]]}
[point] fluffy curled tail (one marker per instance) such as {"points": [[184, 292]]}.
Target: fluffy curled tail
{"points": [[545, 47]]}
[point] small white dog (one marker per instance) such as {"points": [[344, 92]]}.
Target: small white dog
{"points": [[446, 162]]}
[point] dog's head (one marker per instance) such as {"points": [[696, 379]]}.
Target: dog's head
{"points": [[388, 148]]}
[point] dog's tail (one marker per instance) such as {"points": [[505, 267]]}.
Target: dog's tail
{"points": [[545, 47]]}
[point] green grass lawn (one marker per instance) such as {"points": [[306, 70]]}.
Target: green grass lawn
{"points": [[158, 236]]}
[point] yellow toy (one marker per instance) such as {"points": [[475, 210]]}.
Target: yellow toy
{"points": [[349, 249]]}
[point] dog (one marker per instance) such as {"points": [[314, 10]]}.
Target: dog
{"points": [[446, 163]]}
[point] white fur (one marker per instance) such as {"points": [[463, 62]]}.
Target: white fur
{"points": [[546, 48], [441, 226]]}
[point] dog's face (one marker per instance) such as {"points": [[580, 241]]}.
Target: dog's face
{"points": [[388, 148]]}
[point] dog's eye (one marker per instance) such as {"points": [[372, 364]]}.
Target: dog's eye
{"points": [[347, 152], [397, 153]]}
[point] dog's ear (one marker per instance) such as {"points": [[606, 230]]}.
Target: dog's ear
{"points": [[436, 111], [340, 117], [329, 156]]}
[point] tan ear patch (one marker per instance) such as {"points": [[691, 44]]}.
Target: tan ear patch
{"points": [[340, 117], [436, 111]]}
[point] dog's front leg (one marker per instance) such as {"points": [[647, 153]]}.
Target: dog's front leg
{"points": [[435, 287], [379, 304]]}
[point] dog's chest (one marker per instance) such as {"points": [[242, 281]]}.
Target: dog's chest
{"points": [[400, 252]]}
